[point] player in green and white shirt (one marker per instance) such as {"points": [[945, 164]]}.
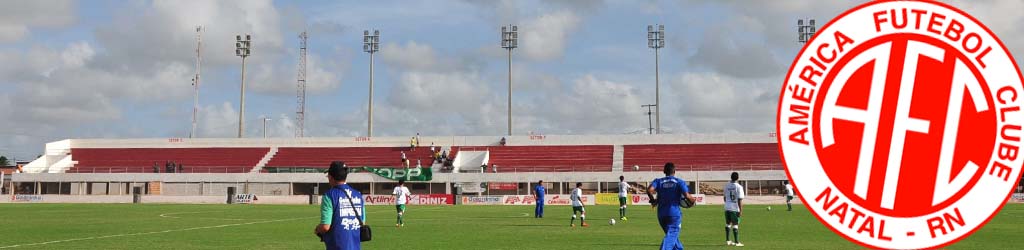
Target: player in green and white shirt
{"points": [[402, 196], [576, 199], [789, 196], [623, 193], [733, 209]]}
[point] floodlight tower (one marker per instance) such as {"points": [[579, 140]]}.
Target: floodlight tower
{"points": [[242, 49], [509, 41], [300, 113], [805, 30], [371, 44], [195, 80], [656, 41]]}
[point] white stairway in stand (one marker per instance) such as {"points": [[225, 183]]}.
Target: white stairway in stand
{"points": [[617, 158], [263, 162]]}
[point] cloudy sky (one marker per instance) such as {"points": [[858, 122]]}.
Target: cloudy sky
{"points": [[123, 69]]}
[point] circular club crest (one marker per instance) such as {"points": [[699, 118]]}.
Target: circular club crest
{"points": [[900, 124]]}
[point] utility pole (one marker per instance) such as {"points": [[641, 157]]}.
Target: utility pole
{"points": [[509, 41], [650, 128], [242, 49], [195, 80], [656, 41], [300, 95], [371, 44]]}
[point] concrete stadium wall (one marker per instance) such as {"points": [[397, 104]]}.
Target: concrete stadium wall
{"points": [[372, 178], [222, 199], [61, 146]]}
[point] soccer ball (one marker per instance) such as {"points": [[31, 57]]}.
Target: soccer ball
{"points": [[769, 208], [611, 222]]}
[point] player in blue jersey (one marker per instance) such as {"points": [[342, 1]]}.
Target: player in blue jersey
{"points": [[341, 212], [539, 191], [673, 193]]}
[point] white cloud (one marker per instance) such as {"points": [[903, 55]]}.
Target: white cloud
{"points": [[218, 121], [18, 17], [713, 102], [588, 105], [545, 37]]}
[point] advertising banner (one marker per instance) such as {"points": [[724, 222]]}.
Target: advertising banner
{"points": [[519, 200], [409, 174], [245, 198], [27, 198], [551, 199], [609, 199], [482, 200], [641, 199], [503, 185], [416, 199]]}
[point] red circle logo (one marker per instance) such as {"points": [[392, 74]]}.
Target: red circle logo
{"points": [[900, 124]]}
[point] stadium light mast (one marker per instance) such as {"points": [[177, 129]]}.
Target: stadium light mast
{"points": [[509, 41], [195, 80], [265, 119], [371, 44], [650, 128], [300, 112], [656, 41], [242, 49], [805, 30]]}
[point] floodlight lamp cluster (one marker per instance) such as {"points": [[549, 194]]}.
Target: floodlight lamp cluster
{"points": [[656, 37], [243, 47], [510, 36], [805, 29], [371, 42]]}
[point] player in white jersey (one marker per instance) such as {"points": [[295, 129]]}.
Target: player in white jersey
{"points": [[402, 197], [623, 193], [789, 196], [576, 198], [733, 209]]}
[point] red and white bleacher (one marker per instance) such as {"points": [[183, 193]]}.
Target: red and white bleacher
{"points": [[141, 160], [703, 157]]}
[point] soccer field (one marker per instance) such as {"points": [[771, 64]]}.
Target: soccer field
{"points": [[127, 226]]}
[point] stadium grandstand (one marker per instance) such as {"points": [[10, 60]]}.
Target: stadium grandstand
{"points": [[287, 170]]}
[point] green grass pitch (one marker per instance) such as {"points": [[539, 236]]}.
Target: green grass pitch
{"points": [[150, 226]]}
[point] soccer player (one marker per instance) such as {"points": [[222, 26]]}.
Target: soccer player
{"points": [[623, 190], [671, 191], [341, 211], [402, 196], [539, 192], [577, 206], [789, 196], [733, 209]]}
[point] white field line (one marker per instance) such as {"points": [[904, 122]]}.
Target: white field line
{"points": [[154, 232], [170, 215]]}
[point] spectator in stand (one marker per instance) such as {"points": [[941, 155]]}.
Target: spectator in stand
{"points": [[156, 167], [412, 144], [181, 168], [502, 142], [437, 156], [169, 167], [405, 161]]}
